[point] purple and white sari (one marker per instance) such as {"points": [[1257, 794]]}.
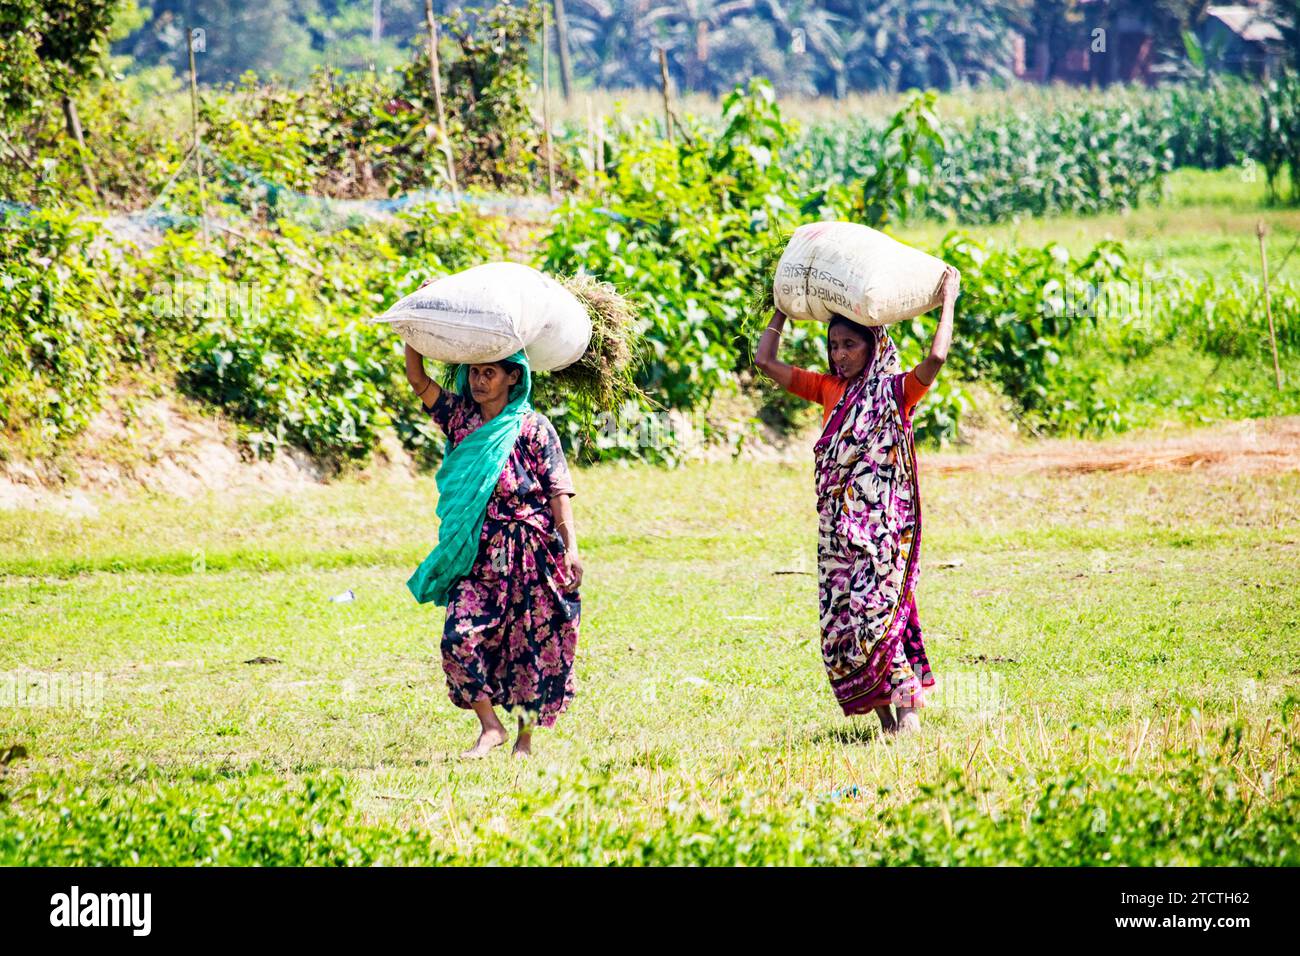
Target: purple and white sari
{"points": [[869, 542]]}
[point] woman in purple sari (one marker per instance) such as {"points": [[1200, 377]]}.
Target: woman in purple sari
{"points": [[869, 511]]}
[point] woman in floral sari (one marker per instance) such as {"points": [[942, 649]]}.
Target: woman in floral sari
{"points": [[869, 510], [506, 566]]}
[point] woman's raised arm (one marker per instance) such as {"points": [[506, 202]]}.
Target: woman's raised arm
{"points": [[425, 387], [765, 358], [929, 367]]}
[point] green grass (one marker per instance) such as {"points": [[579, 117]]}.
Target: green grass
{"points": [[1098, 389], [1090, 612], [1205, 225]]}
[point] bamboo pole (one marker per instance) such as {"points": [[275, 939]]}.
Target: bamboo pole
{"points": [[74, 127], [1268, 303], [546, 101], [198, 142], [562, 42], [591, 148], [435, 80], [663, 86]]}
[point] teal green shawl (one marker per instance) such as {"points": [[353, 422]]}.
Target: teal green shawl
{"points": [[466, 478]]}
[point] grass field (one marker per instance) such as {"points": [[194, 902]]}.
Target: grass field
{"points": [[1118, 657], [1205, 225]]}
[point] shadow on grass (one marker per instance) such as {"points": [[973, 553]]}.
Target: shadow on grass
{"points": [[858, 731]]}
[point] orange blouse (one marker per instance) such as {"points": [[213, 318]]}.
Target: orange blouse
{"points": [[826, 390]]}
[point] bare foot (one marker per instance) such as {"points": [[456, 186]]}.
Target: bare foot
{"points": [[887, 723], [524, 739], [908, 721], [490, 737]]}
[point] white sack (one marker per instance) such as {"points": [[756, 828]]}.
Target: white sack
{"points": [[488, 313], [842, 268]]}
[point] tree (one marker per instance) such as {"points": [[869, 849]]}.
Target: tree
{"points": [[267, 36], [823, 38], [49, 48], [900, 44], [562, 45]]}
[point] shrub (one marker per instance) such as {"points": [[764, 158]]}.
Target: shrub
{"points": [[253, 821], [679, 230], [1278, 145], [63, 326], [1197, 813]]}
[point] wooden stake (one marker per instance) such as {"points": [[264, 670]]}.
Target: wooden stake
{"points": [[435, 80], [600, 142], [1268, 303], [562, 41], [198, 142], [546, 101], [663, 86], [74, 127], [591, 149]]}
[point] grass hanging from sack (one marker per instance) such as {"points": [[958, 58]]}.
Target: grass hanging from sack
{"points": [[762, 303], [602, 380]]}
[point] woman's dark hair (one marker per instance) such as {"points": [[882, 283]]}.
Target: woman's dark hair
{"points": [[839, 321], [509, 367]]}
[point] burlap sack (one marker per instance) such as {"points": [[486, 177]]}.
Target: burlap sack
{"points": [[842, 268], [489, 312]]}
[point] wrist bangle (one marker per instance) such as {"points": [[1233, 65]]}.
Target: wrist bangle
{"points": [[420, 393]]}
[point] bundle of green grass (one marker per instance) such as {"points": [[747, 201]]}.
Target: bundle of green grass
{"points": [[602, 379]]}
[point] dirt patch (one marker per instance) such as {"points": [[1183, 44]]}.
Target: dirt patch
{"points": [[161, 444], [1252, 447]]}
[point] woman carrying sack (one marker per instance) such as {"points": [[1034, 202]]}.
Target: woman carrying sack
{"points": [[869, 510], [506, 565]]}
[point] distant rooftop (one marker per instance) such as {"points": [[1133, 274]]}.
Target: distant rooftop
{"points": [[1249, 23]]}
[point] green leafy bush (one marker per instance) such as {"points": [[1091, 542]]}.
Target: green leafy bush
{"points": [[1014, 314], [63, 327], [303, 365], [1197, 813], [679, 230], [1278, 146], [255, 820], [357, 135]]}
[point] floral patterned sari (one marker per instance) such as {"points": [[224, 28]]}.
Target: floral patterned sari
{"points": [[869, 537], [511, 630]]}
